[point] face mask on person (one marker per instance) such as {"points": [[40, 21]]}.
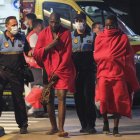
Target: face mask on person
{"points": [[79, 25], [14, 30], [26, 24]]}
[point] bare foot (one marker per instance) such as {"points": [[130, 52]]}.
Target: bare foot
{"points": [[52, 131], [63, 134]]}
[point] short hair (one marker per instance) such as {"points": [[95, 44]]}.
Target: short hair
{"points": [[95, 23], [114, 20], [9, 18], [56, 15], [80, 15], [37, 22], [31, 16]]}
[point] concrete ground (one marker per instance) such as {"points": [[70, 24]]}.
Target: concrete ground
{"points": [[129, 128]]}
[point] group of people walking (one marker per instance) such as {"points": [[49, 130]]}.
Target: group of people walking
{"points": [[94, 69]]}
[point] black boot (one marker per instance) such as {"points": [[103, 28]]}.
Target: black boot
{"points": [[92, 131], [83, 130], [106, 129], [116, 132], [23, 130]]}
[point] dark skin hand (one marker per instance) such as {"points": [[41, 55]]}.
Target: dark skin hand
{"points": [[53, 44]]}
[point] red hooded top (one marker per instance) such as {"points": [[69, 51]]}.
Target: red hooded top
{"points": [[58, 59], [115, 57]]}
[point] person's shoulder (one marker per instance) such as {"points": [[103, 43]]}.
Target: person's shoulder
{"points": [[20, 36], [34, 35], [91, 33], [100, 37], [68, 32], [124, 36], [73, 33], [30, 33], [1, 34], [88, 31], [64, 30], [44, 31], [101, 34]]}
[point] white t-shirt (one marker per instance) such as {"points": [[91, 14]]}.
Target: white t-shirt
{"points": [[33, 40]]}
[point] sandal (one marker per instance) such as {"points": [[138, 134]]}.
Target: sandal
{"points": [[52, 131], [106, 129], [116, 132], [63, 134]]}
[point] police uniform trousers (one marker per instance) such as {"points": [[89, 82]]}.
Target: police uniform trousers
{"points": [[85, 92], [16, 82]]}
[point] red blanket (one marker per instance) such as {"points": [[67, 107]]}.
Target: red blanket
{"points": [[58, 60], [115, 62]]}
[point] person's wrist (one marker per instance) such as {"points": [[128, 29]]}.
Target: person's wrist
{"points": [[31, 53]]}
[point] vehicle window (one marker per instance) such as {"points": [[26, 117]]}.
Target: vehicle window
{"points": [[2, 24], [98, 12], [94, 12], [66, 12], [125, 28], [100, 15]]}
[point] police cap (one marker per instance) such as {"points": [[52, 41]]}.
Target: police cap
{"points": [[80, 15]]}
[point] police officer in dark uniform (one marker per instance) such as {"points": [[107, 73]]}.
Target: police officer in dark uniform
{"points": [[82, 43], [12, 46]]}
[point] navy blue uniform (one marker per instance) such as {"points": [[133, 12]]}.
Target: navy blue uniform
{"points": [[11, 71], [85, 83]]}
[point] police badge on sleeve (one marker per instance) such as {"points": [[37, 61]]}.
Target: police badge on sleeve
{"points": [[6, 44], [75, 40]]}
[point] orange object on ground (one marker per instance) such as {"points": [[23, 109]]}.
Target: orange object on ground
{"points": [[33, 98]]}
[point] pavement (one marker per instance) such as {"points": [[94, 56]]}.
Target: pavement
{"points": [[129, 129], [7, 120]]}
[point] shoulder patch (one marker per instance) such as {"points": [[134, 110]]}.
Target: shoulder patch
{"points": [[1, 32]]}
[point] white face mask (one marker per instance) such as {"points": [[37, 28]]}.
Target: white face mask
{"points": [[79, 25], [14, 30], [26, 24]]}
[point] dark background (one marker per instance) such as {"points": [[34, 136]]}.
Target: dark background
{"points": [[132, 7]]}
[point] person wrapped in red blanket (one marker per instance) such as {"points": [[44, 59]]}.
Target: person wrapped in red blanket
{"points": [[116, 76], [53, 50], [33, 97]]}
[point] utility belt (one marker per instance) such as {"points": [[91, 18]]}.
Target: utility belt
{"points": [[4, 68], [6, 53], [26, 72]]}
